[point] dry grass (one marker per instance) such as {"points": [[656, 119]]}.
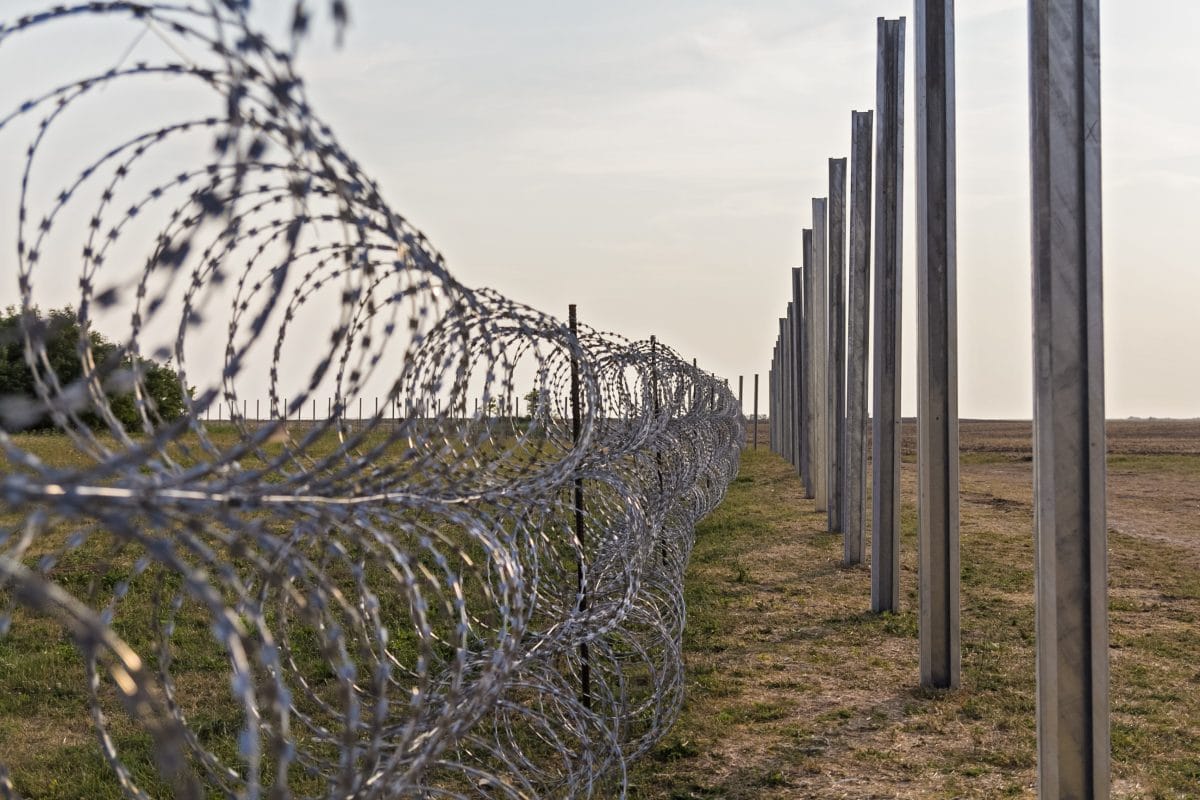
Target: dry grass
{"points": [[795, 690]]}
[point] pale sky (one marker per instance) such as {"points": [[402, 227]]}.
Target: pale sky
{"points": [[654, 163]]}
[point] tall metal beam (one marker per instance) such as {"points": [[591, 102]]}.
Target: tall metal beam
{"points": [[783, 390], [937, 348], [773, 421], [800, 368], [756, 411], [836, 363], [776, 403], [889, 194], [810, 415], [1068, 367], [789, 370], [819, 363], [858, 326], [771, 402]]}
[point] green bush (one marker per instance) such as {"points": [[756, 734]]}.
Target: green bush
{"points": [[59, 331]]}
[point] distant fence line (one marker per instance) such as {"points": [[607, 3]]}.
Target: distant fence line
{"points": [[401, 610], [362, 408]]}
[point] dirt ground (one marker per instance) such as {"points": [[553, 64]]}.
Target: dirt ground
{"points": [[1158, 504], [1161, 504]]}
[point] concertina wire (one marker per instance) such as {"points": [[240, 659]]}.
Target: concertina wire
{"points": [[411, 603]]}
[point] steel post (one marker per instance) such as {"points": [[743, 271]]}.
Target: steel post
{"points": [[809, 412], [937, 349], [836, 364], [820, 363], [858, 326], [1068, 414], [889, 194]]}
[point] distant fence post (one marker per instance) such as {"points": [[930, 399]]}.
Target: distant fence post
{"points": [[771, 380], [799, 368], [1069, 435], [836, 430], [756, 411], [858, 325], [937, 348], [820, 363], [773, 411], [741, 385], [788, 424], [770, 390], [889, 187], [782, 391], [809, 473]]}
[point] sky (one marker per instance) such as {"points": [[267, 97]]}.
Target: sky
{"points": [[654, 163]]}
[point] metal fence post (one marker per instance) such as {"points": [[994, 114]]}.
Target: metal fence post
{"points": [[937, 348], [798, 365], [836, 430], [858, 318], [776, 388], [756, 411], [784, 378], [810, 417], [576, 430], [1069, 435], [885, 445], [788, 423], [819, 365], [770, 401]]}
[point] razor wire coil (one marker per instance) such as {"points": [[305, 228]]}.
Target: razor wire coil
{"points": [[401, 604]]}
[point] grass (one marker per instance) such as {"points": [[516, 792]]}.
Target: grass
{"points": [[796, 690], [47, 740], [793, 688]]}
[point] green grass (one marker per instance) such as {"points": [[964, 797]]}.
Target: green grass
{"points": [[46, 736]]}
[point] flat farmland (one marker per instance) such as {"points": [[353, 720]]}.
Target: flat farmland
{"points": [[796, 690]]}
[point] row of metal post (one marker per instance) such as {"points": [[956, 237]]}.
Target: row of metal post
{"points": [[337, 409], [817, 382]]}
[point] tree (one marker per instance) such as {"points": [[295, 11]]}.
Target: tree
{"points": [[59, 332], [533, 399]]}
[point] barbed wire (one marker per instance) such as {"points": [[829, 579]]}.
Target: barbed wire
{"points": [[433, 603]]}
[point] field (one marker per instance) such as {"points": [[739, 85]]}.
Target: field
{"points": [[795, 690]]}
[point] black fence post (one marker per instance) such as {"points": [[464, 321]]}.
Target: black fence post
{"points": [[576, 430]]}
